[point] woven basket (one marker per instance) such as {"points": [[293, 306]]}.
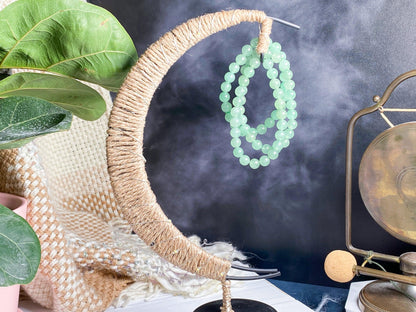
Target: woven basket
{"points": [[71, 202]]}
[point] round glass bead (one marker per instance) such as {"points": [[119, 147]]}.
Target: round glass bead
{"points": [[280, 104], [250, 137], [237, 111], [257, 145], [254, 62], [267, 63], [226, 107], [266, 148], [239, 101], [292, 124], [278, 57], [278, 93], [238, 152], [289, 133], [281, 114], [235, 132], [246, 50], [225, 86], [286, 75], [240, 91], [254, 163], [229, 77], [235, 122], [273, 154], [274, 83], [244, 129], [228, 117], [280, 135], [248, 71], [244, 160], [281, 124], [254, 42], [261, 129], [240, 59], [285, 143], [235, 142], [252, 131], [288, 85], [275, 47], [243, 119], [234, 68], [291, 104], [284, 65], [292, 114], [272, 73], [264, 161], [277, 145], [289, 95], [243, 81], [224, 97], [269, 122]]}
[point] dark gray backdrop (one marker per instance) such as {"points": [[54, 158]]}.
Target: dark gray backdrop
{"points": [[290, 214]]}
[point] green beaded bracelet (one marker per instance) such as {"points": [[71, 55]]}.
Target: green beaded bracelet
{"points": [[283, 117]]}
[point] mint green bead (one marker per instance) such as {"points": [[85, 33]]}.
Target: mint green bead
{"points": [[224, 97], [280, 114], [280, 104], [226, 86], [235, 132], [278, 57], [240, 91], [257, 145], [289, 133], [273, 154], [274, 83], [254, 42], [240, 59], [252, 131], [226, 107], [277, 145], [250, 137], [280, 135], [267, 63], [272, 73], [248, 71], [269, 122], [278, 94], [234, 68], [264, 161], [237, 111], [239, 101], [286, 75], [285, 143], [292, 114], [238, 152], [235, 142], [254, 62], [284, 65], [292, 124], [291, 104], [243, 81], [244, 160], [254, 163], [235, 122], [246, 50], [281, 124], [243, 119], [289, 95], [275, 47], [288, 85], [228, 117], [261, 129], [244, 128], [229, 77], [266, 148], [267, 55]]}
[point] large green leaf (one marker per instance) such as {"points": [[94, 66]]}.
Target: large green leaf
{"points": [[65, 92], [22, 118], [69, 37], [19, 249]]}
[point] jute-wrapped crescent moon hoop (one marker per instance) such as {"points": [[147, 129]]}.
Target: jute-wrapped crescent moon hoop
{"points": [[126, 163]]}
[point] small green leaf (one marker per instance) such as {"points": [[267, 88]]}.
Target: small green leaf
{"points": [[19, 249], [68, 93], [26, 117], [69, 37]]}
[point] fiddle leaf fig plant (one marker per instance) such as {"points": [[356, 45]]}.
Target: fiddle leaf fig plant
{"points": [[68, 41], [65, 43], [19, 249]]}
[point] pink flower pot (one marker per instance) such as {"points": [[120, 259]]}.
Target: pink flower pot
{"points": [[9, 296]]}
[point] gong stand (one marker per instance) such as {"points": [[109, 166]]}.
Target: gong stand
{"points": [[395, 292]]}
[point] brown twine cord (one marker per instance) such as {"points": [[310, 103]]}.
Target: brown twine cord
{"points": [[125, 140], [226, 297]]}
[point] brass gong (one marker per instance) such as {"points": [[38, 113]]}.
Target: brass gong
{"points": [[387, 181]]}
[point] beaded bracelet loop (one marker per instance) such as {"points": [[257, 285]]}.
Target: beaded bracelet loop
{"points": [[283, 117]]}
